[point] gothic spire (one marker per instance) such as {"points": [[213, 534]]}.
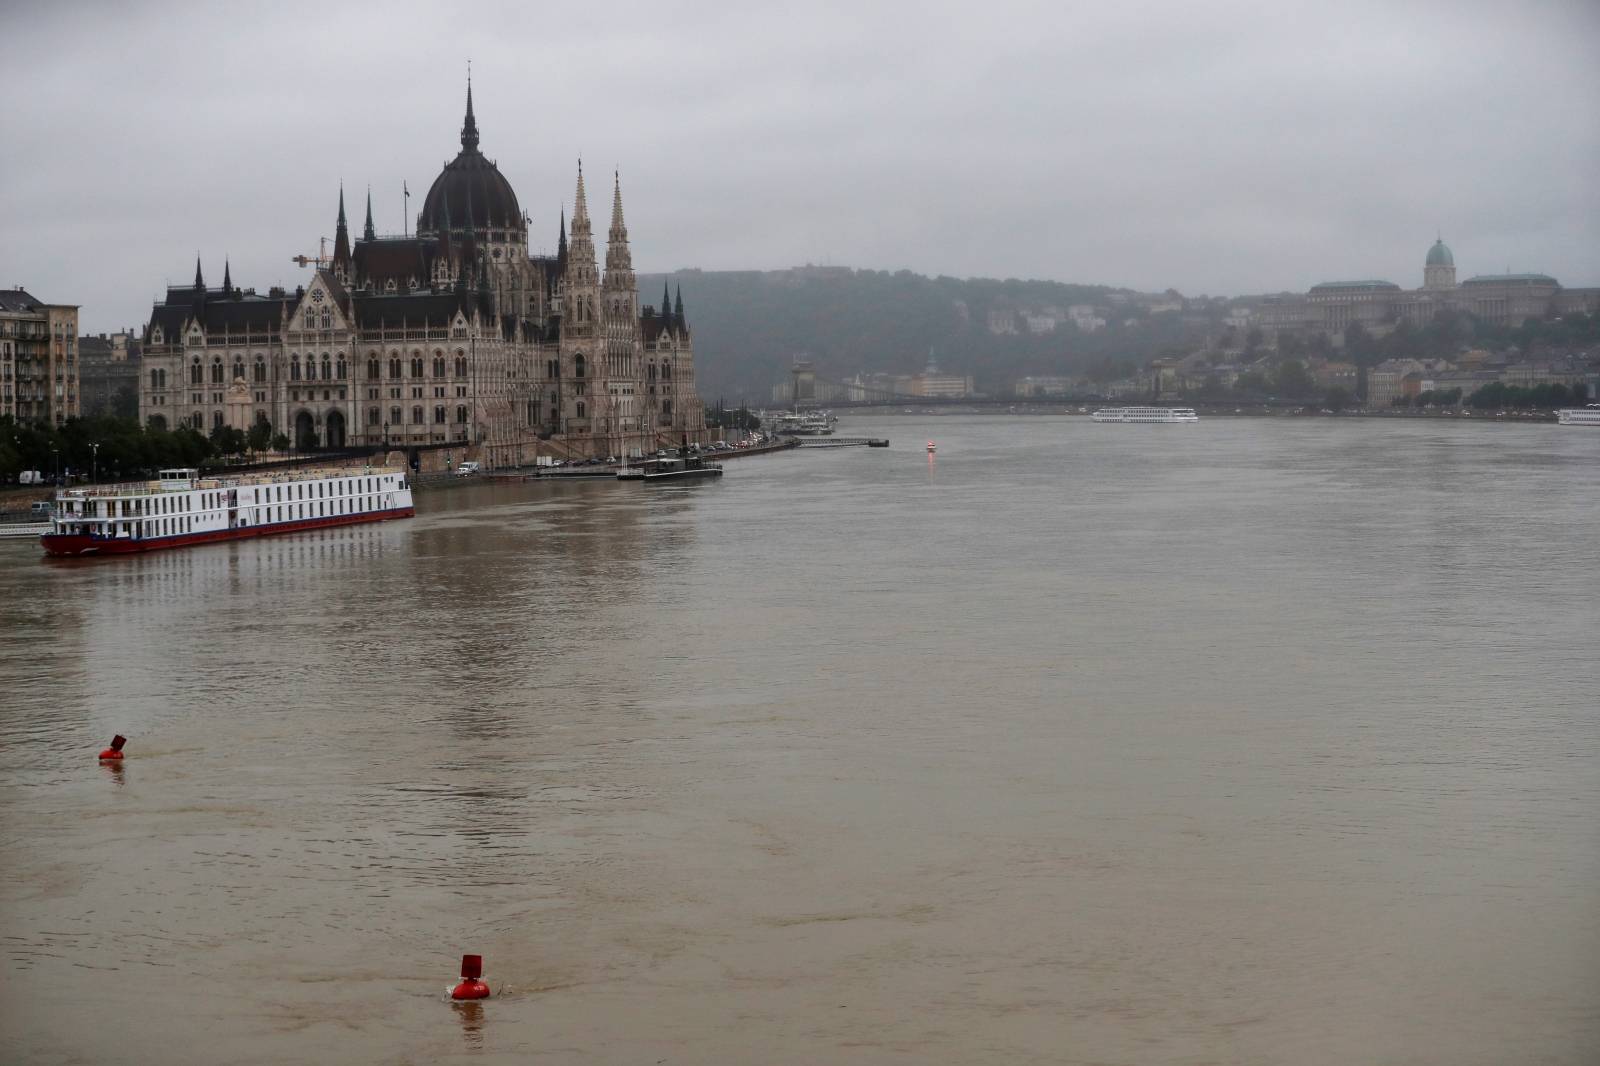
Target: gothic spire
{"points": [[677, 312], [666, 301], [580, 207], [367, 232], [617, 225], [581, 253], [469, 128], [227, 277], [619, 260], [199, 279], [341, 235], [561, 245]]}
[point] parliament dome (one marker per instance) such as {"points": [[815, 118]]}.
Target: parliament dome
{"points": [[469, 185], [1439, 255]]}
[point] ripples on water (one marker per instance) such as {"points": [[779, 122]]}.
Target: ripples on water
{"points": [[1247, 741]]}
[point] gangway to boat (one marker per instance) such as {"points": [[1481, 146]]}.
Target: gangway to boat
{"points": [[842, 442]]}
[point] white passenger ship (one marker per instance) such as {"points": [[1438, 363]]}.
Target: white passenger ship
{"points": [[1146, 414], [1579, 416], [181, 508]]}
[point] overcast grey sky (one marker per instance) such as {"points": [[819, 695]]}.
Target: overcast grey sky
{"points": [[1222, 148]]}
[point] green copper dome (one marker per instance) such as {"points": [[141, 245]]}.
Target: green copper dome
{"points": [[1439, 255]]}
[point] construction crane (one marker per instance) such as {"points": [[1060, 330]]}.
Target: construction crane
{"points": [[320, 259]]}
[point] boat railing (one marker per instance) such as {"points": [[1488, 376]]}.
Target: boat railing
{"points": [[153, 486]]}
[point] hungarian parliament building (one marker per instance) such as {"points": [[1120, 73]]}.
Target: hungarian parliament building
{"points": [[454, 335]]}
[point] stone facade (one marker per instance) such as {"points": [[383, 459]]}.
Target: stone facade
{"points": [[108, 364], [38, 359], [454, 335], [1378, 306]]}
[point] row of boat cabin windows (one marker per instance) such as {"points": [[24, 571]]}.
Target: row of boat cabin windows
{"points": [[174, 514]]}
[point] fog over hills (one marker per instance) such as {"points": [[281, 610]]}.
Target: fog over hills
{"points": [[749, 326]]}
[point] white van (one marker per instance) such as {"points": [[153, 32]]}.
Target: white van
{"points": [[467, 469]]}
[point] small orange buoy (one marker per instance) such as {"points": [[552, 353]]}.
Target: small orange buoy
{"points": [[471, 987], [115, 750]]}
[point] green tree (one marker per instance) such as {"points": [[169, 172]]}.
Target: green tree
{"points": [[280, 442], [260, 436]]}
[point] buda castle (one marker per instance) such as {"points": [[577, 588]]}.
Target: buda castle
{"points": [[455, 336], [1380, 306]]}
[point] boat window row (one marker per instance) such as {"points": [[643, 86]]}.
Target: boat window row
{"points": [[318, 489]]}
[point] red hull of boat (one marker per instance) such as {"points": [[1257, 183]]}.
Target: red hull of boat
{"points": [[83, 544]]}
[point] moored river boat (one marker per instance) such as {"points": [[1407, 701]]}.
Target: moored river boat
{"points": [[180, 508]]}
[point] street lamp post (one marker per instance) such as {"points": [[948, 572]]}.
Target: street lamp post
{"points": [[56, 452], [94, 469]]}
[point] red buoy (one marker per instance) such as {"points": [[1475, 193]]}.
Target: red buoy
{"points": [[115, 750], [471, 987]]}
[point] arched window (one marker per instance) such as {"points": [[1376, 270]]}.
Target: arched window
{"points": [[580, 408], [197, 373], [294, 368], [461, 413], [261, 370], [577, 365], [216, 371], [438, 366], [416, 415], [394, 366], [155, 380], [238, 367], [438, 415], [327, 318], [374, 415], [311, 319], [652, 371], [374, 369], [461, 366], [326, 368], [416, 366], [341, 368], [394, 416]]}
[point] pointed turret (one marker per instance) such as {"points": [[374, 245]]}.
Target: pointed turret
{"points": [[199, 279], [581, 259], [469, 128], [227, 277], [677, 312], [561, 245], [619, 259], [367, 231], [341, 240], [666, 302]]}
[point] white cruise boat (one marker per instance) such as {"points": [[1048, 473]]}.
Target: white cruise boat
{"points": [[181, 508], [1579, 416], [1146, 414]]}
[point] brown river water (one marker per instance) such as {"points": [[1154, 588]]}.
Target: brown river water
{"points": [[1253, 741]]}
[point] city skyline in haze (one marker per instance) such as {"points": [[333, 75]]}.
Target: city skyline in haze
{"points": [[1226, 151]]}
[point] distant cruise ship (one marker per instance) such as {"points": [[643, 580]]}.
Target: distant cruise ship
{"points": [[1579, 416], [1146, 414]]}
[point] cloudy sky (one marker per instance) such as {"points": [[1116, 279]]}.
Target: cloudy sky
{"points": [[1219, 147]]}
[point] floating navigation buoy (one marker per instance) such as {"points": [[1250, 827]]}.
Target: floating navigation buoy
{"points": [[115, 750], [932, 447], [471, 987]]}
